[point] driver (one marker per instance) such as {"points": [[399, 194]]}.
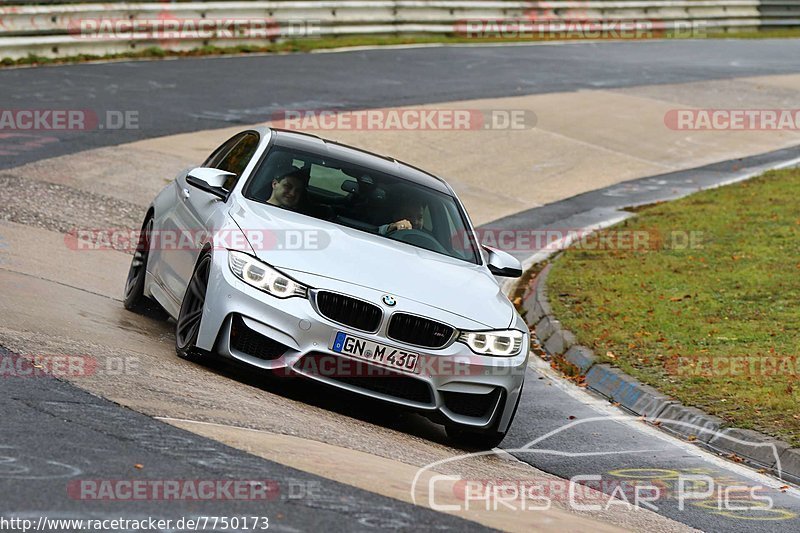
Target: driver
{"points": [[287, 190], [409, 216]]}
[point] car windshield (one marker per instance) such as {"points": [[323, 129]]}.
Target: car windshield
{"points": [[364, 199]]}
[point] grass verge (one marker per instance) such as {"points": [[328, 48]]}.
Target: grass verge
{"points": [[716, 323], [308, 45]]}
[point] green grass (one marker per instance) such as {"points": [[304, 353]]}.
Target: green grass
{"points": [[308, 45], [735, 299]]}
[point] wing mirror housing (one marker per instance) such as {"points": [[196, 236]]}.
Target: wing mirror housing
{"points": [[502, 263], [209, 180]]}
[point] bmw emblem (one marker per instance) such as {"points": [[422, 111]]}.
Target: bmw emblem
{"points": [[389, 300]]}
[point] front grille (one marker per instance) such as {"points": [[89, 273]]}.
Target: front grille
{"points": [[474, 405], [349, 311], [253, 343], [365, 376], [419, 331]]}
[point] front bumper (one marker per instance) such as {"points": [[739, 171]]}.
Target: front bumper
{"points": [[453, 385]]}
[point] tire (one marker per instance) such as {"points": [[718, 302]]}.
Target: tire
{"points": [[187, 326], [134, 298], [480, 440]]}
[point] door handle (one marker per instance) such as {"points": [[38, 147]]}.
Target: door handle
{"points": [[185, 193]]}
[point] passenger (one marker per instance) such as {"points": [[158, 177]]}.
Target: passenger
{"points": [[287, 190]]}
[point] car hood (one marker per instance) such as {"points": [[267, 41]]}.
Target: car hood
{"points": [[360, 258]]}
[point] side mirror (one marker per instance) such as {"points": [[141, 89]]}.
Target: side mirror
{"points": [[209, 180], [503, 264]]}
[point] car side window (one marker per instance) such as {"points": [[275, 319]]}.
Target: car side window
{"points": [[233, 156], [217, 155]]}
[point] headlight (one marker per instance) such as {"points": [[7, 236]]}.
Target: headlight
{"points": [[501, 343], [263, 277]]}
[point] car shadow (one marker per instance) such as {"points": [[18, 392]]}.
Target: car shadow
{"points": [[342, 402]]}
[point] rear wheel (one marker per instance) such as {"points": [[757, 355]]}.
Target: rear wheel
{"points": [[135, 300], [191, 313]]}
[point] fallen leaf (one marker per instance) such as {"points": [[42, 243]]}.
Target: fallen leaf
{"points": [[138, 466], [691, 438]]}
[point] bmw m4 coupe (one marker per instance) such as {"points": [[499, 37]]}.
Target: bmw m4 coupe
{"points": [[308, 257]]}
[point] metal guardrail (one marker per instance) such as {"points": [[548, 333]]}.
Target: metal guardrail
{"points": [[70, 28]]}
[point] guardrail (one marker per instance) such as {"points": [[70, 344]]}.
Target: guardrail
{"points": [[68, 28]]}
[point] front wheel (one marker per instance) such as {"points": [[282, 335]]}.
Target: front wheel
{"points": [[191, 313]]}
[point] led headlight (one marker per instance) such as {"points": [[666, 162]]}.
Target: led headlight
{"points": [[503, 343], [263, 277]]}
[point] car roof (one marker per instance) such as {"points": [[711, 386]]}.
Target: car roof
{"points": [[307, 142]]}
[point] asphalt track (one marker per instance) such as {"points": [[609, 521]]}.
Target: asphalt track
{"points": [[176, 96], [197, 94]]}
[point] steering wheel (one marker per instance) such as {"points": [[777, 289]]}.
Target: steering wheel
{"points": [[420, 238]]}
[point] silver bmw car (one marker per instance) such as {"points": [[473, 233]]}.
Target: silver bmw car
{"points": [[307, 257]]}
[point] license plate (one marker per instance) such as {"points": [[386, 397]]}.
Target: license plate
{"points": [[374, 352]]}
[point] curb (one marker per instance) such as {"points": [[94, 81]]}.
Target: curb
{"points": [[690, 423]]}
